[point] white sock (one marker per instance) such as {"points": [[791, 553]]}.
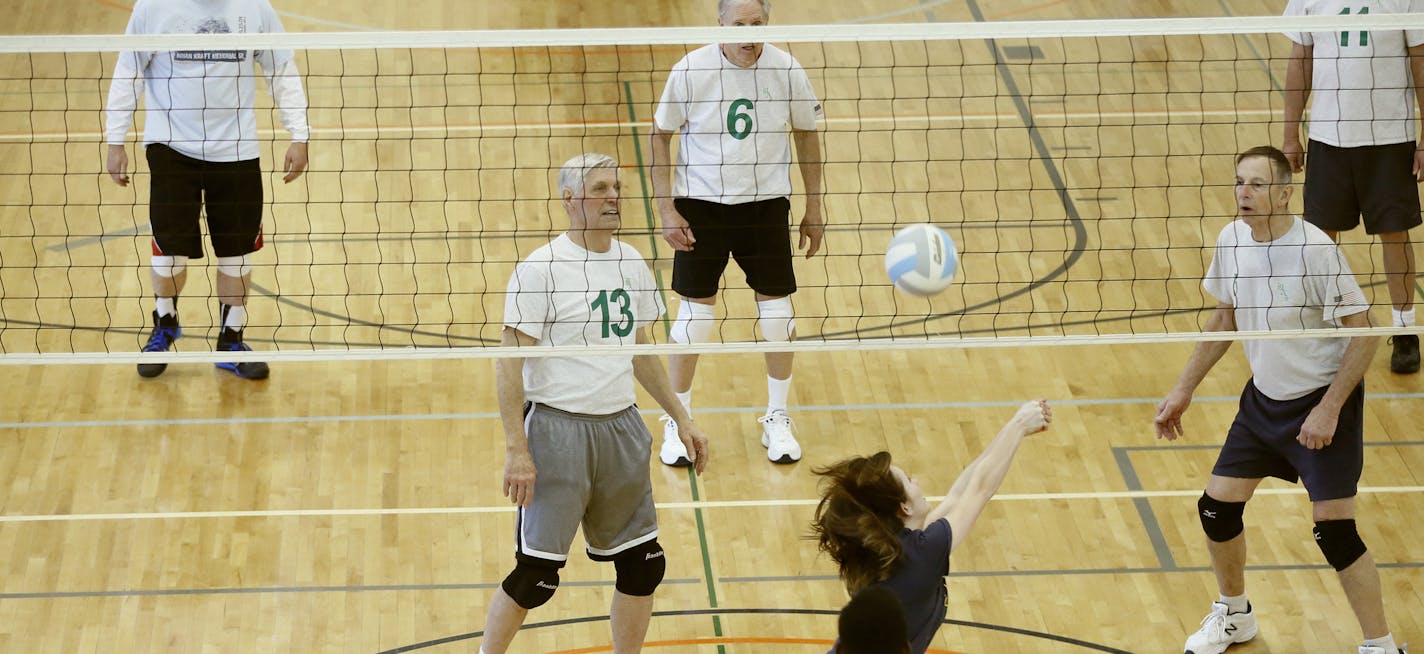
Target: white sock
{"points": [[1402, 318], [776, 392], [1386, 641], [167, 306], [234, 316], [1237, 604]]}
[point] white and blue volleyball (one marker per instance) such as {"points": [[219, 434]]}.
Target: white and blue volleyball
{"points": [[921, 260]]}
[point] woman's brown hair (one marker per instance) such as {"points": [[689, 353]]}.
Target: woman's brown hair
{"points": [[858, 520]]}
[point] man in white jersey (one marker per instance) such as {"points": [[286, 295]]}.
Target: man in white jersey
{"points": [[202, 144], [1363, 153], [576, 449], [734, 104], [1301, 414]]}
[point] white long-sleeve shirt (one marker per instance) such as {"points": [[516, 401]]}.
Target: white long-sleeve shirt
{"points": [[203, 103]]}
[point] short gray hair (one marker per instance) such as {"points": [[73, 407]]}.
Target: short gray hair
{"points": [[722, 6], [572, 175]]}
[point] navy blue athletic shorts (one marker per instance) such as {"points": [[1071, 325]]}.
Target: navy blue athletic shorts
{"points": [[1262, 443]]}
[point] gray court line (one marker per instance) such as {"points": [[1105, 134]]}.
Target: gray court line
{"points": [[169, 592], [70, 244], [1291, 567], [1144, 511], [647, 412], [1217, 446]]}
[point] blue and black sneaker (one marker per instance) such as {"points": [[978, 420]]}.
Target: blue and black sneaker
{"points": [[231, 341], [165, 330]]}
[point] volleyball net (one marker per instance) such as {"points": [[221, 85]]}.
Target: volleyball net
{"points": [[1083, 168]]}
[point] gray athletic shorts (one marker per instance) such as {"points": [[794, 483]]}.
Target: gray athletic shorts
{"points": [[590, 471]]}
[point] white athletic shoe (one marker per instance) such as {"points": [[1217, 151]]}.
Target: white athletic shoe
{"points": [[776, 437], [1403, 649], [1222, 629], [673, 452]]}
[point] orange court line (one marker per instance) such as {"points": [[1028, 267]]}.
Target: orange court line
{"points": [[1026, 10], [726, 640], [114, 5]]}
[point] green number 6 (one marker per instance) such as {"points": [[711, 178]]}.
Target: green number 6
{"points": [[739, 123]]}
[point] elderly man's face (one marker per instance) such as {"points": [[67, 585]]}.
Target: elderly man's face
{"points": [[742, 13], [597, 205]]}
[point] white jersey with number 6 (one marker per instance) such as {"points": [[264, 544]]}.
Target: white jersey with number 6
{"points": [[1363, 90], [735, 123], [563, 294]]}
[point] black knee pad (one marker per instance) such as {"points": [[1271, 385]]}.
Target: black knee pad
{"points": [[640, 569], [1340, 542], [532, 582], [1220, 520]]}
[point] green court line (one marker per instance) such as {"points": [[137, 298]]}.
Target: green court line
{"points": [[647, 207], [706, 559], [667, 329]]}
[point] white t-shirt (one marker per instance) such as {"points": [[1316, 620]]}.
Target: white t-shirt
{"points": [[1363, 90], [563, 294], [202, 103], [735, 123], [1298, 281]]}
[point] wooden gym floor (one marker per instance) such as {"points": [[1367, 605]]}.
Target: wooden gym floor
{"points": [[354, 506]]}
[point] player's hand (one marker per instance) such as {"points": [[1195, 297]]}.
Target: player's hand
{"points": [[676, 231], [1419, 164], [118, 165], [1034, 416], [296, 162], [1169, 414], [1318, 430], [1295, 154], [696, 443], [519, 476], [813, 229]]}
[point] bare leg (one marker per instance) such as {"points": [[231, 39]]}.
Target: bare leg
{"points": [[629, 616], [1361, 580], [1228, 559], [502, 622], [1399, 269], [232, 291], [682, 367], [778, 364], [166, 286]]}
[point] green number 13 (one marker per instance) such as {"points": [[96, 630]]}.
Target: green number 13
{"points": [[1345, 36], [624, 326]]}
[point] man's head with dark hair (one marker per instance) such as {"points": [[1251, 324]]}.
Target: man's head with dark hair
{"points": [[873, 623]]}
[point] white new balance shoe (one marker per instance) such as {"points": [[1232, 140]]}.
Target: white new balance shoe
{"points": [[1222, 629], [673, 452], [776, 437], [1365, 649]]}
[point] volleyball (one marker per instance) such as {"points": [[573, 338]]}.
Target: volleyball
{"points": [[921, 260]]}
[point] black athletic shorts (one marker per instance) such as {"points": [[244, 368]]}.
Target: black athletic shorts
{"points": [[181, 185], [754, 233], [1374, 180], [1262, 443]]}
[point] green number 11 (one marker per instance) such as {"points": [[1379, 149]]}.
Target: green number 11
{"points": [[1345, 36]]}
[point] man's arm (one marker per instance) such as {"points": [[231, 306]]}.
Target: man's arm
{"points": [[648, 370], [124, 91], [1416, 68], [808, 153], [1318, 430], [1299, 75], [1169, 413], [285, 84], [675, 228], [981, 479], [509, 384]]}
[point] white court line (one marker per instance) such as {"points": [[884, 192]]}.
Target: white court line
{"points": [[994, 119], [729, 504]]}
